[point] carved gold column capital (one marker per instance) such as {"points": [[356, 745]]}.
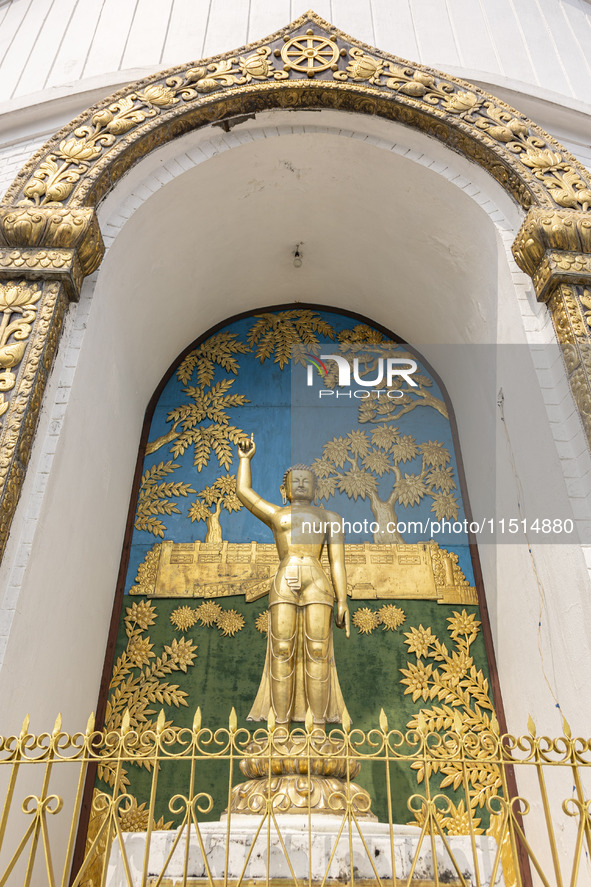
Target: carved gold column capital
{"points": [[554, 247], [50, 243]]}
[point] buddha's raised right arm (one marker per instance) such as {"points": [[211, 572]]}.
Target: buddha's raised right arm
{"points": [[261, 509]]}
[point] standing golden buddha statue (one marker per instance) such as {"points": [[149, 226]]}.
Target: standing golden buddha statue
{"points": [[299, 674], [299, 671]]}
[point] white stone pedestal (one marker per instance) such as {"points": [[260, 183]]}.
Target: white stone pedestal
{"points": [[309, 852]]}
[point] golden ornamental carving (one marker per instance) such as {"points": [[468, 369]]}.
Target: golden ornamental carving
{"points": [[554, 247], [455, 696], [79, 165], [18, 310], [309, 53], [20, 419], [291, 781], [46, 241]]}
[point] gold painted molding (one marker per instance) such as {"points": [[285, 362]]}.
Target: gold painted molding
{"points": [[49, 231]]}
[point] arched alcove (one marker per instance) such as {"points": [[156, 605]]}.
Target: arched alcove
{"points": [[415, 248]]}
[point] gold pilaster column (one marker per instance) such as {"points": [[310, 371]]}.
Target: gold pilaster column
{"points": [[45, 253], [554, 248], [28, 348]]}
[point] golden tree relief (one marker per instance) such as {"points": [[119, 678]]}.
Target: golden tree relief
{"points": [[353, 465]]}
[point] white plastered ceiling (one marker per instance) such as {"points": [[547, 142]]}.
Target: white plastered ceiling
{"points": [[392, 226]]}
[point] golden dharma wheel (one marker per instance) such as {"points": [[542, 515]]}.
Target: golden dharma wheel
{"points": [[310, 53]]}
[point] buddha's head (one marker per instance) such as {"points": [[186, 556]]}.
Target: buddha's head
{"points": [[299, 484]]}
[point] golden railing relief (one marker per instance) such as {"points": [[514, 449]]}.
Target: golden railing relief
{"points": [[417, 571]]}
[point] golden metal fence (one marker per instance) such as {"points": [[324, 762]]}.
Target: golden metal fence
{"points": [[538, 835]]}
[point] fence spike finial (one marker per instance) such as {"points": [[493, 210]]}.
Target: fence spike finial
{"points": [[197, 720], [346, 720], [421, 723], [58, 725], [125, 722], [90, 723], [271, 722], [531, 726], [566, 728], [233, 721], [383, 721], [309, 722], [160, 722], [25, 727]]}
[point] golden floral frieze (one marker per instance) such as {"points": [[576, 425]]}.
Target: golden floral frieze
{"points": [[308, 52]]}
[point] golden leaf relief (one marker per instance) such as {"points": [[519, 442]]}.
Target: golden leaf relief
{"points": [[276, 335], [156, 498], [458, 699], [140, 681]]}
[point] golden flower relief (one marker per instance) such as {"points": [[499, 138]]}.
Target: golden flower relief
{"points": [[262, 622], [418, 640], [458, 820], [365, 620], [454, 670], [17, 297], [208, 613], [391, 617], [463, 624], [140, 650], [460, 102], [134, 817], [363, 66], [417, 679], [183, 618], [142, 613], [540, 159], [183, 651], [229, 622], [257, 66], [79, 150], [156, 94]]}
